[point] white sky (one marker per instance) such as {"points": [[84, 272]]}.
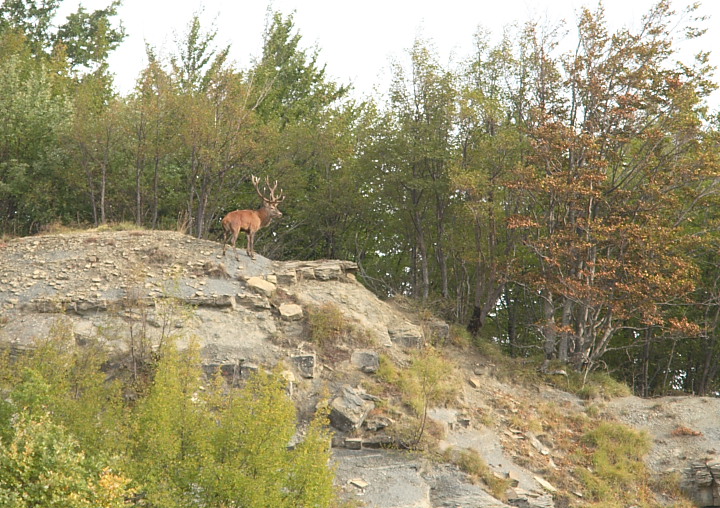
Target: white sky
{"points": [[357, 40]]}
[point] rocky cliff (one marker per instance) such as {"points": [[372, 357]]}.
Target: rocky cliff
{"points": [[125, 288]]}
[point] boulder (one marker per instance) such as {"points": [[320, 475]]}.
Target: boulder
{"points": [[328, 271], [305, 364], [702, 482], [261, 286], [349, 409], [291, 311], [407, 335], [438, 330], [287, 278], [377, 423], [366, 360]]}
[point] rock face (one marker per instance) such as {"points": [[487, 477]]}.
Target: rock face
{"points": [[135, 280], [702, 481], [366, 360], [349, 409], [115, 287]]}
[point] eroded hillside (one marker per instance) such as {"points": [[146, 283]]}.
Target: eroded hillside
{"points": [[131, 288]]}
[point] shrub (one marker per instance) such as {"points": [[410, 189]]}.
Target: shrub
{"points": [[226, 448], [328, 328], [185, 441], [42, 465], [472, 463], [428, 381], [615, 471], [327, 324]]}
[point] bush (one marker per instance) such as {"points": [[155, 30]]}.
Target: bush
{"points": [[42, 465], [615, 471], [428, 381], [185, 441], [328, 325], [472, 463]]}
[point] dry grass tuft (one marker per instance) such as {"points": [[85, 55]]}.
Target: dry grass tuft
{"points": [[682, 430]]}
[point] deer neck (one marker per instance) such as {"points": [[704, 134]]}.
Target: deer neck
{"points": [[264, 215]]}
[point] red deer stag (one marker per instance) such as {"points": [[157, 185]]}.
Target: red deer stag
{"points": [[251, 221]]}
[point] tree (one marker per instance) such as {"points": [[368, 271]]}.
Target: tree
{"points": [[414, 170], [153, 125], [612, 160], [88, 38], [198, 62], [289, 86], [95, 140], [491, 144], [42, 465], [35, 115], [31, 18]]}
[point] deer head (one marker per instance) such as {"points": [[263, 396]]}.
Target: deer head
{"points": [[269, 203]]}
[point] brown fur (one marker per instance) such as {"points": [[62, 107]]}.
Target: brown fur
{"points": [[250, 221]]}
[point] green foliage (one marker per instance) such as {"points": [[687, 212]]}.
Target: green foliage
{"points": [[185, 439], [427, 382], [472, 463], [88, 38], [292, 85], [198, 62], [43, 465], [615, 472], [588, 386]]}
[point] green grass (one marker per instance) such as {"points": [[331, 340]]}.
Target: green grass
{"points": [[614, 473], [472, 463]]}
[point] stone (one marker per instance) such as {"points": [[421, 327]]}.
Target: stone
{"points": [[377, 423], [291, 311], [353, 443], [407, 335], [535, 442], [702, 482], [305, 273], [366, 360], [348, 410], [328, 272], [438, 330], [359, 483], [474, 382], [261, 286], [545, 484], [287, 278], [305, 364], [224, 301], [289, 378]]}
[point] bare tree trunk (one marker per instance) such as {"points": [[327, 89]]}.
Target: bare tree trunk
{"points": [[511, 323], [139, 164], [156, 185], [564, 344], [549, 327], [91, 189], [424, 265]]}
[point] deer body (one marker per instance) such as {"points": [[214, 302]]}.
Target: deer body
{"points": [[250, 221]]}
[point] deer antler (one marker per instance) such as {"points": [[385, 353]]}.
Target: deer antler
{"points": [[255, 182], [274, 199]]}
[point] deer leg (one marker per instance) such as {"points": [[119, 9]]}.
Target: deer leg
{"points": [[226, 237], [251, 244], [234, 241]]}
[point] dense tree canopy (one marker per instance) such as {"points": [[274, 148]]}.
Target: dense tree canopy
{"points": [[561, 204]]}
